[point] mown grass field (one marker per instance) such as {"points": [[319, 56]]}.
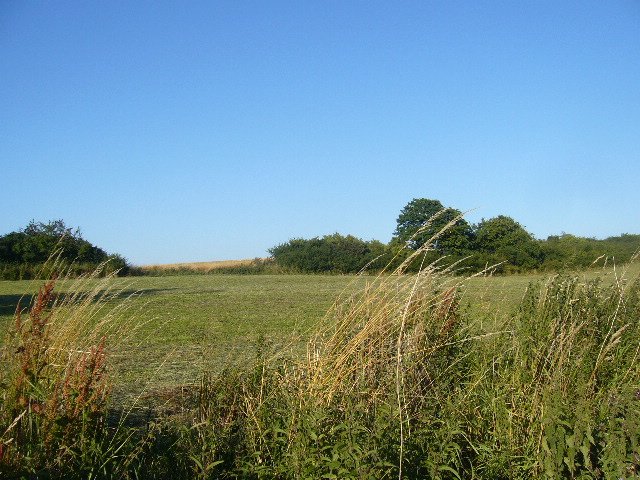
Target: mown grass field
{"points": [[183, 325], [180, 326]]}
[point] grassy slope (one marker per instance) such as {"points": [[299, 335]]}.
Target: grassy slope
{"points": [[182, 325]]}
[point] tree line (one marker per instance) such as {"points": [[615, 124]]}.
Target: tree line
{"points": [[499, 242], [27, 253]]}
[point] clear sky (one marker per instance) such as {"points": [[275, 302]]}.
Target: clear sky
{"points": [[192, 131]]}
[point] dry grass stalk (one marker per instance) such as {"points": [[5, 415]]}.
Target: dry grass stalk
{"points": [[397, 317], [57, 382]]}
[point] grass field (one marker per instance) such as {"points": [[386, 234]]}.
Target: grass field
{"points": [[414, 376], [184, 325]]}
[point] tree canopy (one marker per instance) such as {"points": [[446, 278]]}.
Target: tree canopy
{"points": [[332, 253], [424, 220], [505, 240], [23, 252]]}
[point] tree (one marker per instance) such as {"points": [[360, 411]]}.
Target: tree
{"points": [[433, 217], [54, 228], [332, 253], [504, 239], [566, 250], [22, 253]]}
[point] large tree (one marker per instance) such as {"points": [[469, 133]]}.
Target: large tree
{"points": [[23, 252], [424, 220], [505, 240]]}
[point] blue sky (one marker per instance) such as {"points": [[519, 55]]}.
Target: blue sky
{"points": [[192, 131]]}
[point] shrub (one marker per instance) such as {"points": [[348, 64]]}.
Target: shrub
{"points": [[25, 254], [329, 254]]}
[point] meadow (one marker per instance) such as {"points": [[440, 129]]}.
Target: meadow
{"points": [[191, 322], [303, 376], [180, 326], [184, 325]]}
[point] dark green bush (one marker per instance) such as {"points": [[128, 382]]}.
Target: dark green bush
{"points": [[330, 254], [25, 254]]}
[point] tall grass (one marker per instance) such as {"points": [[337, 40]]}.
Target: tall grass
{"points": [[55, 382], [402, 382]]}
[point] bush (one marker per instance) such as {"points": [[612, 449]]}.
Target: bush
{"points": [[568, 251], [329, 254], [24, 254]]}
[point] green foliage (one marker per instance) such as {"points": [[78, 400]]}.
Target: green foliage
{"points": [[576, 345], [330, 254], [23, 254], [426, 221], [499, 242], [502, 239], [568, 251]]}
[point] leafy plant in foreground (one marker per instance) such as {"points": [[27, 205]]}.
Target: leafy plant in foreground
{"points": [[54, 389]]}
